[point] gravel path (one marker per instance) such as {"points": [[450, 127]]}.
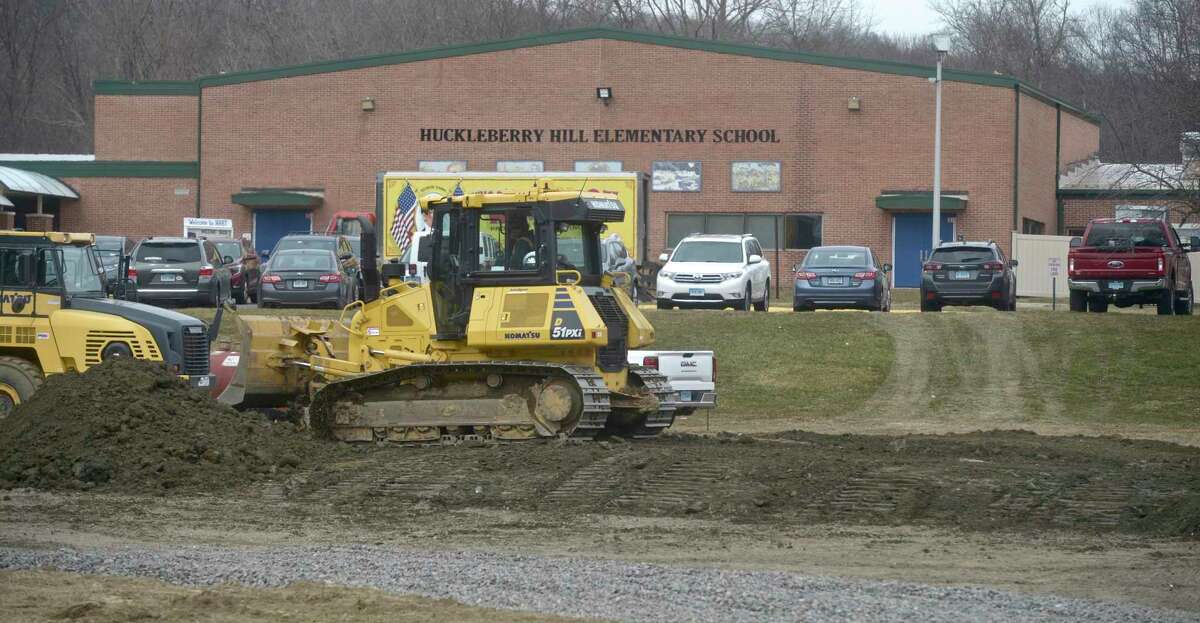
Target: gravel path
{"points": [[581, 587]]}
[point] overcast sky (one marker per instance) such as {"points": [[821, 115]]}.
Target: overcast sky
{"points": [[914, 17]]}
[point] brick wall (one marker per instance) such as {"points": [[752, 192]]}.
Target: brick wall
{"points": [[131, 207], [142, 127], [309, 131], [1037, 185], [1080, 140]]}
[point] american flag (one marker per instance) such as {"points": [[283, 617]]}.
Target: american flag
{"points": [[405, 218]]}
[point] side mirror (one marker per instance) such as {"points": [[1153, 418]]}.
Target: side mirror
{"points": [[755, 259], [425, 253], [228, 259], [265, 255], [1013, 263], [887, 268], [664, 258], [1195, 243], [1076, 242]]}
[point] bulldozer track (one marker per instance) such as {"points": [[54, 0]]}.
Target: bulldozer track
{"points": [[878, 494], [594, 392], [594, 482], [679, 484], [656, 383]]}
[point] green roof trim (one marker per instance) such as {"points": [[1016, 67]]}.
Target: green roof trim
{"points": [[1124, 193], [107, 168], [567, 36], [275, 199], [146, 87], [917, 202]]}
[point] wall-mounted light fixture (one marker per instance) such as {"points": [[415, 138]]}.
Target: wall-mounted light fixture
{"points": [[368, 104], [854, 103], [604, 94]]}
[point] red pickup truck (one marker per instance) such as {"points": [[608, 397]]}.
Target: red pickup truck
{"points": [[1128, 262]]}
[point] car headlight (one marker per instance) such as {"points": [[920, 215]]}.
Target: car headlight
{"points": [[666, 274], [732, 275]]}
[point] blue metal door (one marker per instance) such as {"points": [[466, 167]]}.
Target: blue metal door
{"points": [[271, 225], [911, 244]]}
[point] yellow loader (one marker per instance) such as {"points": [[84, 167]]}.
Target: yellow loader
{"points": [[55, 316], [517, 333]]}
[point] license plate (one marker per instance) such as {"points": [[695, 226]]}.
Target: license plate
{"points": [[1116, 285], [695, 291], [961, 274], [300, 283], [168, 278], [835, 281], [685, 396]]}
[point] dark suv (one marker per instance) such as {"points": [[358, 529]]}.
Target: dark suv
{"points": [[968, 273], [183, 271]]}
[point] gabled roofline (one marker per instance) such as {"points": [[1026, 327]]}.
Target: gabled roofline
{"points": [[116, 87]]}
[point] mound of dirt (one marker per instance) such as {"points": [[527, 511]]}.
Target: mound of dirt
{"points": [[131, 425]]}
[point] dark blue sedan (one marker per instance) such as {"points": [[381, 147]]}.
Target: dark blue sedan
{"points": [[842, 278]]}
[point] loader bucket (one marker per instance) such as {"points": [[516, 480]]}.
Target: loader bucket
{"points": [[263, 377]]}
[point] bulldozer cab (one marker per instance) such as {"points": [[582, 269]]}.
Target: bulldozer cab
{"points": [[40, 273], [527, 239]]}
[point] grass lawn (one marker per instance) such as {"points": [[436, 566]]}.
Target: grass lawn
{"points": [[783, 365]]}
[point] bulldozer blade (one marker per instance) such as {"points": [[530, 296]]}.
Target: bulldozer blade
{"points": [[263, 377]]}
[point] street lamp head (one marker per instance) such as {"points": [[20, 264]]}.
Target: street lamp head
{"points": [[941, 44]]}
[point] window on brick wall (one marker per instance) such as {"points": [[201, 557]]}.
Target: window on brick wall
{"points": [[1030, 226], [785, 231]]}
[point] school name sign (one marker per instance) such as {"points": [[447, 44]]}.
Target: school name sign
{"points": [[631, 135]]}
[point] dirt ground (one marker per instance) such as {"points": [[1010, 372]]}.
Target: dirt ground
{"points": [[46, 596]]}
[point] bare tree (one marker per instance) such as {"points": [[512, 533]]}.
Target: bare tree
{"points": [[1026, 38]]}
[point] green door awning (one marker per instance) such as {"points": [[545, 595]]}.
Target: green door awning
{"points": [[265, 198], [919, 201]]}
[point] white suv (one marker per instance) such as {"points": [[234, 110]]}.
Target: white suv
{"points": [[715, 270]]}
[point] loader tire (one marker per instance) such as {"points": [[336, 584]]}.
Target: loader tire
{"points": [[19, 379]]}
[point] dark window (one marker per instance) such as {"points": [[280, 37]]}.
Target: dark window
{"points": [[680, 226], [306, 243], [964, 255], [709, 251], [302, 260], [837, 258], [229, 249], [791, 231], [1126, 234], [1075, 231], [801, 231], [1030, 226], [15, 268], [168, 252]]}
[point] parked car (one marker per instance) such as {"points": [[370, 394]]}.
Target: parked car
{"points": [[305, 278], [1131, 262], [842, 277], [719, 270], [110, 250], [693, 375], [341, 246], [243, 265], [182, 271], [968, 273]]}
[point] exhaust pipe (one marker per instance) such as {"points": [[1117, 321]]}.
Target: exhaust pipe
{"points": [[368, 265]]}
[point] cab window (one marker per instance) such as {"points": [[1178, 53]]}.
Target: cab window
{"points": [[508, 240], [15, 265]]}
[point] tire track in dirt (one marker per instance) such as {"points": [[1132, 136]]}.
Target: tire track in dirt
{"points": [[905, 392]]}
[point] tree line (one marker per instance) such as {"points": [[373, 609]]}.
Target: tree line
{"points": [[1136, 65]]}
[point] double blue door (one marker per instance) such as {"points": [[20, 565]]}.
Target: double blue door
{"points": [[912, 242], [271, 225]]}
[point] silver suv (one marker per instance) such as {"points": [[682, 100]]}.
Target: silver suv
{"points": [[715, 270]]}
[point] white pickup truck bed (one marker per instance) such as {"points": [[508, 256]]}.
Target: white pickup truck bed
{"points": [[691, 373]]}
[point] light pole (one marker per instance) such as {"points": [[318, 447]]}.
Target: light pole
{"points": [[941, 44]]}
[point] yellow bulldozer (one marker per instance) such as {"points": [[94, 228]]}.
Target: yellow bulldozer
{"points": [[516, 334]]}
